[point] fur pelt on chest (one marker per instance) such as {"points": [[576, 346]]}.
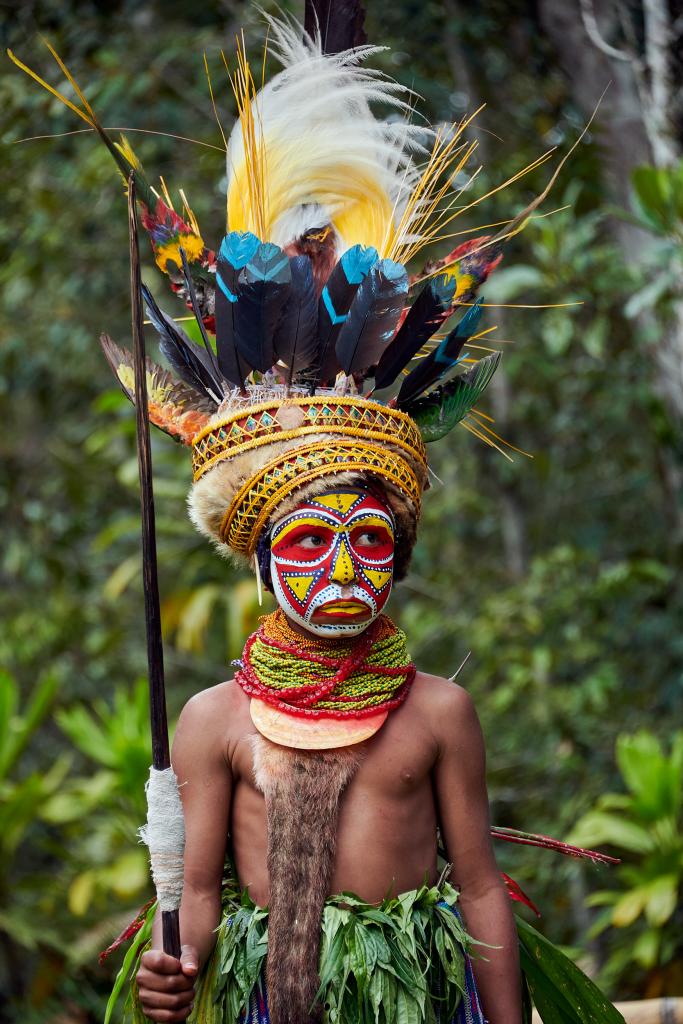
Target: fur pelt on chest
{"points": [[302, 790]]}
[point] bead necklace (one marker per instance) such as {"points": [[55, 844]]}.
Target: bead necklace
{"points": [[326, 678]]}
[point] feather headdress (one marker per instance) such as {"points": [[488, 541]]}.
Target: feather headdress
{"points": [[308, 293]]}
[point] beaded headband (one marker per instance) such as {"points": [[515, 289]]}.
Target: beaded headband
{"points": [[289, 418]]}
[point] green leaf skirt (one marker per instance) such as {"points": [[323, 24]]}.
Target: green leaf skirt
{"points": [[405, 961]]}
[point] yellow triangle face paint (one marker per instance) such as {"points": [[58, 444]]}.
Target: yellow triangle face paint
{"points": [[377, 577], [342, 567], [299, 585], [339, 501]]}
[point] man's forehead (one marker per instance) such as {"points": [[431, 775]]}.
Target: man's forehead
{"points": [[340, 505]]}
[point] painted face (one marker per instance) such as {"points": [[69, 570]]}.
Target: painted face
{"points": [[332, 562]]}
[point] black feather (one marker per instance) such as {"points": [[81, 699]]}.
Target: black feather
{"points": [[236, 250], [263, 288], [441, 359], [189, 285], [295, 341], [188, 359], [427, 313], [335, 301], [340, 23], [373, 316]]}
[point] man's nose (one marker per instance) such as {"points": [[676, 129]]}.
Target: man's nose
{"points": [[342, 567]]}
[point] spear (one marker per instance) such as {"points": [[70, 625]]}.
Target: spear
{"points": [[164, 832]]}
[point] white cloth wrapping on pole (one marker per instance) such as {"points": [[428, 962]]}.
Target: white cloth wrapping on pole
{"points": [[164, 835]]}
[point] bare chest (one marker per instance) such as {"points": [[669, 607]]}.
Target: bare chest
{"points": [[386, 825], [394, 764]]}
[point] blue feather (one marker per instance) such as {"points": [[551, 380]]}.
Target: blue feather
{"points": [[440, 360], [373, 316], [236, 249], [430, 309], [335, 302], [357, 261], [444, 354], [263, 288]]}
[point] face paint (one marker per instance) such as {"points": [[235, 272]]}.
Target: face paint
{"points": [[332, 562]]}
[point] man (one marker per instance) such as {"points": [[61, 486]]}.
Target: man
{"points": [[423, 769], [328, 760]]}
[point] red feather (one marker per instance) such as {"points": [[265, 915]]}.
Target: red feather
{"points": [[472, 262], [128, 932], [516, 893]]}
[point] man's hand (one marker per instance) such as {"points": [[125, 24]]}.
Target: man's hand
{"points": [[166, 985]]}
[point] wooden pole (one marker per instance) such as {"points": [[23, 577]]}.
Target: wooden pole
{"points": [[161, 758]]}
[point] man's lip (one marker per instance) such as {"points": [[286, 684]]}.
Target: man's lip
{"points": [[343, 608]]}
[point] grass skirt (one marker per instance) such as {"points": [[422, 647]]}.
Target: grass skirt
{"points": [[405, 960]]}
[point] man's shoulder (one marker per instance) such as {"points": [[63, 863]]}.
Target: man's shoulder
{"points": [[445, 709], [438, 715], [441, 695], [215, 708]]}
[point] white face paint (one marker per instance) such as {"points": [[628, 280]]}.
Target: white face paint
{"points": [[332, 562]]}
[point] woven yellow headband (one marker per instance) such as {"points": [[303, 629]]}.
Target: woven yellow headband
{"points": [[347, 434]]}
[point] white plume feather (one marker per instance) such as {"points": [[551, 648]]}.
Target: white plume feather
{"points": [[327, 159]]}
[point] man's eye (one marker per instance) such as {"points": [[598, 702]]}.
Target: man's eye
{"points": [[368, 539], [311, 540]]}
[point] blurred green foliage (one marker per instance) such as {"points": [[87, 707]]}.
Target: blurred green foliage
{"points": [[560, 573], [645, 825], [22, 798]]}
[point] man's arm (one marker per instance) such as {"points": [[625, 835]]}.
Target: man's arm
{"points": [[460, 785], [166, 985]]}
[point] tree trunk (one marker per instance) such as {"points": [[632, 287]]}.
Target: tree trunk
{"points": [[619, 123], [513, 519], [635, 124], [513, 522]]}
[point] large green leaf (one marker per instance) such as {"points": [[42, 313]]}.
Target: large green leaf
{"points": [[641, 760], [20, 803], [655, 197], [130, 962], [561, 992], [629, 906], [17, 728], [511, 282], [662, 899], [649, 295], [87, 734], [597, 827], [9, 700]]}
